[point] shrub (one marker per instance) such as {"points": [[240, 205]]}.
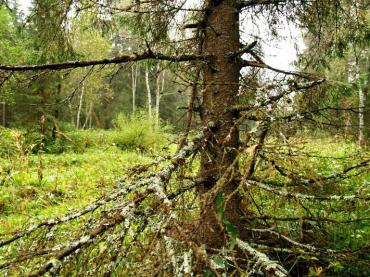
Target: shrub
{"points": [[136, 132]]}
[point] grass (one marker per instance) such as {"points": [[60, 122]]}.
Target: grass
{"points": [[86, 164], [66, 173], [69, 181], [315, 158]]}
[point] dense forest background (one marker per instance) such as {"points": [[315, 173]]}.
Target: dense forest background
{"points": [[81, 98], [155, 138], [93, 98]]}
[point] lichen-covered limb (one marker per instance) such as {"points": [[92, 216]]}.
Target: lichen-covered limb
{"points": [[78, 244], [283, 192], [121, 212], [263, 263], [306, 218], [293, 242], [163, 175]]}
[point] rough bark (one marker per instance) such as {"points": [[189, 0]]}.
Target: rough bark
{"points": [[221, 78]]}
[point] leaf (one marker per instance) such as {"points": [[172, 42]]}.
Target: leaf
{"points": [[219, 203], [232, 231], [219, 262]]}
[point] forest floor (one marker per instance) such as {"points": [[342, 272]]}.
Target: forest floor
{"points": [[47, 185], [37, 186]]}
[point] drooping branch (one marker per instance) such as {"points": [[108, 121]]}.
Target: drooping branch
{"points": [[116, 60], [276, 97], [306, 218], [253, 3], [301, 196], [261, 64]]}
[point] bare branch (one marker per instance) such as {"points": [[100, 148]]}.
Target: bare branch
{"points": [[116, 60], [253, 3]]}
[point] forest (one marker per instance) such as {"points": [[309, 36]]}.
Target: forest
{"points": [[184, 138]]}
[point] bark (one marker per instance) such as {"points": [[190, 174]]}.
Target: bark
{"points": [[361, 118], [363, 105], [221, 78]]}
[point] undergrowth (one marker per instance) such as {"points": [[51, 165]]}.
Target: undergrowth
{"points": [[81, 166]]}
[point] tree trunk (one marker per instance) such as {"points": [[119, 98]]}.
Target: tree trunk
{"points": [[221, 87], [149, 95], [158, 94], [80, 106], [362, 101], [88, 116], [58, 94], [361, 118], [367, 102]]}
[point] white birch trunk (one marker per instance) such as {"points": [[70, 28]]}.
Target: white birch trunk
{"points": [[362, 105], [361, 118], [149, 95], [80, 106], [88, 116]]}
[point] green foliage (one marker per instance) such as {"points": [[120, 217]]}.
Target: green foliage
{"points": [[316, 158], [130, 133], [136, 132], [70, 180], [230, 229]]}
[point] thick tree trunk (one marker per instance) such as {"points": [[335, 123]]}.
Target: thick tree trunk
{"points": [[221, 79]]}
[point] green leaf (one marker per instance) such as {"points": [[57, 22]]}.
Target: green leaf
{"points": [[232, 231], [219, 262], [219, 202]]}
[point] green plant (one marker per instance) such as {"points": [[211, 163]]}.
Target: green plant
{"points": [[136, 132]]}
